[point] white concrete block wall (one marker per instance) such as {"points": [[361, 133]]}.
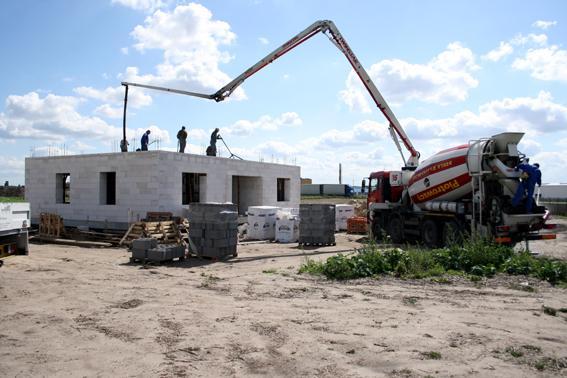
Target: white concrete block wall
{"points": [[145, 181]]}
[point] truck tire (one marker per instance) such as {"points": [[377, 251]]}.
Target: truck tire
{"points": [[377, 230], [452, 233], [430, 233], [396, 229]]}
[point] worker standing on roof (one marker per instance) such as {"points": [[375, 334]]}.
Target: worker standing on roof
{"points": [[212, 149], [182, 138], [145, 140], [531, 175]]}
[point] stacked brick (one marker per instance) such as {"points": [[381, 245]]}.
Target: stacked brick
{"points": [[317, 225], [213, 230], [148, 250]]}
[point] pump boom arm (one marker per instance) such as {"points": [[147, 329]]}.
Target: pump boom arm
{"points": [[328, 28]]}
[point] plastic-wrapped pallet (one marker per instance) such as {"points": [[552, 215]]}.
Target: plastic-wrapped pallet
{"points": [[262, 222], [286, 227], [164, 252], [140, 248], [213, 229], [342, 213], [317, 224]]}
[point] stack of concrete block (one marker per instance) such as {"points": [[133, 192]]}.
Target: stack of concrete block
{"points": [[342, 213], [165, 252], [140, 248], [317, 224], [147, 249], [262, 222], [213, 229]]}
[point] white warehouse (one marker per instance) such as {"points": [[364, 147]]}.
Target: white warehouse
{"points": [[113, 189]]}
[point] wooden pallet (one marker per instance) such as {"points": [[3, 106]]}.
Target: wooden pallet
{"points": [[51, 225], [165, 232]]}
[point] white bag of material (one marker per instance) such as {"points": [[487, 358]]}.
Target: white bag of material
{"points": [[285, 228], [262, 222], [342, 213], [261, 230]]}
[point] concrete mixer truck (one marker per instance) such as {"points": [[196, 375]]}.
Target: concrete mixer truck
{"points": [[462, 189]]}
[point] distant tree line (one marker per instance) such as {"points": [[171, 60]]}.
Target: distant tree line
{"points": [[8, 190]]}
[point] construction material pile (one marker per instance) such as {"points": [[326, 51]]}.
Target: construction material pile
{"points": [[213, 229], [342, 213], [317, 225], [148, 250], [262, 222], [287, 225]]}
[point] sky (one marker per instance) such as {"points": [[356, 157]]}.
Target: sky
{"points": [[452, 71]]}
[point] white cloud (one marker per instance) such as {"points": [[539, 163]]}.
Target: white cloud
{"points": [[532, 115], [156, 134], [263, 40], [246, 127], [544, 24], [361, 133], [50, 118], [498, 53], [198, 134], [10, 164], [447, 78], [142, 5], [124, 50], [552, 165], [191, 41], [534, 39], [109, 112], [81, 146], [549, 63], [115, 95]]}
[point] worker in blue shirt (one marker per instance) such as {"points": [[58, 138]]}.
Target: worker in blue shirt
{"points": [[531, 175], [145, 140]]}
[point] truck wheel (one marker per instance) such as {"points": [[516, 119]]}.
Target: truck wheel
{"points": [[452, 233], [430, 233], [396, 229], [377, 232]]}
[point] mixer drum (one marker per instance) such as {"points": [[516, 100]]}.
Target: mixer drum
{"points": [[442, 177]]}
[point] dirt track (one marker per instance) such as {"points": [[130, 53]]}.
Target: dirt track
{"points": [[84, 312]]}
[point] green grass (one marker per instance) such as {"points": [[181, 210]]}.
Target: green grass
{"points": [[270, 271], [474, 259], [11, 199]]}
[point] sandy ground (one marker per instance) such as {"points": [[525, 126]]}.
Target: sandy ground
{"points": [[69, 311]]}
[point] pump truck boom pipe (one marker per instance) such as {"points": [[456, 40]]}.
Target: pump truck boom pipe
{"points": [[463, 189], [330, 30]]}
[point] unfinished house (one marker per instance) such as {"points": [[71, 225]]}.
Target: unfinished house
{"points": [[111, 190]]}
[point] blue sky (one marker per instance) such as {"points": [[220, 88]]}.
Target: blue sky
{"points": [[451, 70]]}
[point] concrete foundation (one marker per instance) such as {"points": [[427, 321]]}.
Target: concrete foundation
{"points": [[111, 190]]}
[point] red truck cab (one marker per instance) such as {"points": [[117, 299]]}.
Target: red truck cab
{"points": [[380, 188]]}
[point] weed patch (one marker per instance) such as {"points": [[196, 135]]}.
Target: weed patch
{"points": [[474, 259]]}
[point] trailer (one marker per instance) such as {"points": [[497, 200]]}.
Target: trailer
{"points": [[342, 190], [14, 224]]}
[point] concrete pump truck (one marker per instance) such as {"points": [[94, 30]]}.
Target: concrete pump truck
{"points": [[465, 189]]}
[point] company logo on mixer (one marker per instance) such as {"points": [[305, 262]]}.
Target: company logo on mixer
{"points": [[438, 190]]}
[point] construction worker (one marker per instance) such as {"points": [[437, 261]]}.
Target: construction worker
{"points": [[124, 145], [531, 175], [145, 140], [182, 138], [212, 149]]}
